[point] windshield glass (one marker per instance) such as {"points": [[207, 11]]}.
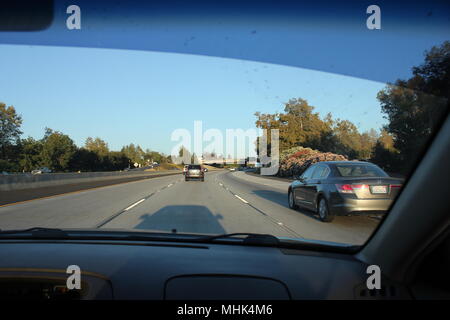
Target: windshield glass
{"points": [[101, 113]]}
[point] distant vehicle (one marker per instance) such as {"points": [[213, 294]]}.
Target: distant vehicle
{"points": [[194, 171], [185, 169], [5, 173], [41, 170], [232, 169], [333, 188]]}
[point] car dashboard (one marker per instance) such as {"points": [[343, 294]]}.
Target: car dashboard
{"points": [[122, 270]]}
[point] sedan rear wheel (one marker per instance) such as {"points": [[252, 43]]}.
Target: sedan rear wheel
{"points": [[323, 211]]}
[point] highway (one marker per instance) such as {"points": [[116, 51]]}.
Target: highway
{"points": [[226, 202]]}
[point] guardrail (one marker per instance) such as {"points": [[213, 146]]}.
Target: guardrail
{"points": [[30, 181]]}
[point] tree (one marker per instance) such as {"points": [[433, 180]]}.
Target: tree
{"points": [[134, 153], [414, 107], [435, 73], [368, 140], [86, 160], [10, 123], [184, 156], [299, 125], [348, 137], [117, 160], [384, 154], [328, 142], [57, 150], [30, 155], [153, 156], [386, 140], [267, 122], [194, 159], [97, 145]]}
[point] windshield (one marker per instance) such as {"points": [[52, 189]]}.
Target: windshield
{"points": [[106, 108]]}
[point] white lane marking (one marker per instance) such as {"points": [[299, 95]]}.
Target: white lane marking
{"points": [[134, 204], [243, 200], [220, 184], [170, 185]]}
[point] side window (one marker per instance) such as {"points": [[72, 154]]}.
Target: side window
{"points": [[318, 172], [325, 172], [308, 173]]}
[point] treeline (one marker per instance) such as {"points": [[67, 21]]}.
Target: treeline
{"points": [[413, 108], [299, 125], [58, 152]]}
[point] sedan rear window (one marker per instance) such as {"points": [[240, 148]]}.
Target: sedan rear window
{"points": [[195, 167], [362, 170]]}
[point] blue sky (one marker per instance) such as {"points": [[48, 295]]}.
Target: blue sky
{"points": [[126, 96]]}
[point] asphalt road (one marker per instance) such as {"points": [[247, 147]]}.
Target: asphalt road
{"points": [[226, 202]]}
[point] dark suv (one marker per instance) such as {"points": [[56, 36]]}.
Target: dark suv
{"points": [[194, 171]]}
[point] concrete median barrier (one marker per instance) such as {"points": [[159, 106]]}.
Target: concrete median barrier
{"points": [[29, 181]]}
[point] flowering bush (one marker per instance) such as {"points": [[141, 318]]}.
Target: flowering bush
{"points": [[300, 159], [301, 154], [298, 151]]}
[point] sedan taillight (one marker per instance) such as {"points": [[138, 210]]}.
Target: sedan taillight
{"points": [[350, 188]]}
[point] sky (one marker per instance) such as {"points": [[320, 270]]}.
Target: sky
{"points": [[125, 96]]}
